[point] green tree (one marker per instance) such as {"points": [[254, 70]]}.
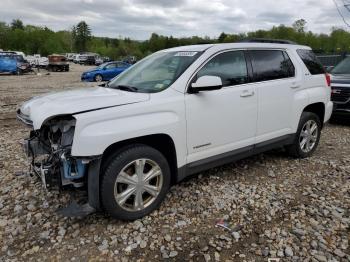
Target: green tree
{"points": [[17, 24], [300, 25], [222, 37], [82, 34]]}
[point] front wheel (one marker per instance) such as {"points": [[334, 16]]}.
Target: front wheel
{"points": [[135, 182], [98, 78], [307, 136]]}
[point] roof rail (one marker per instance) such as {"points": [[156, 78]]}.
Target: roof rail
{"points": [[267, 40]]}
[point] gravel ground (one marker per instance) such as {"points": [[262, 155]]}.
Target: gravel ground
{"points": [[273, 205]]}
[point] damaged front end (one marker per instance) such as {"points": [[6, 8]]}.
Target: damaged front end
{"points": [[49, 149]]}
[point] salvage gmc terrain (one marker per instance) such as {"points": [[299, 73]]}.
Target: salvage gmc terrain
{"points": [[177, 112]]}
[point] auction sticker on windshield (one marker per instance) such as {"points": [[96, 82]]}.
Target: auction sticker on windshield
{"points": [[186, 53]]}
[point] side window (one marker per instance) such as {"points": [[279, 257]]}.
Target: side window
{"points": [[110, 66], [271, 65], [311, 61], [120, 64], [231, 67], [288, 67]]}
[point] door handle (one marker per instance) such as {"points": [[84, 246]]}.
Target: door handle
{"points": [[247, 93]]}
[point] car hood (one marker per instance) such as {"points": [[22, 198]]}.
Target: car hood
{"points": [[340, 80], [40, 108]]}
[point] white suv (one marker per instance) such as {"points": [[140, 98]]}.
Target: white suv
{"points": [[177, 112]]}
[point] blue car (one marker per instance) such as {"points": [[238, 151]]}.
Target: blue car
{"points": [[105, 72], [8, 64]]}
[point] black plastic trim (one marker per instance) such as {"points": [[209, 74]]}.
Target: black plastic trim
{"points": [[232, 156], [94, 183]]}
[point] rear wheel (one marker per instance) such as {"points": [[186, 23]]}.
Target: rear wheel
{"points": [[307, 137], [135, 182], [98, 78]]}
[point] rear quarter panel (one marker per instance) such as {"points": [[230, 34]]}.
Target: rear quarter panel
{"points": [[316, 90]]}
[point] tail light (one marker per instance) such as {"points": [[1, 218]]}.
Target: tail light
{"points": [[328, 79]]}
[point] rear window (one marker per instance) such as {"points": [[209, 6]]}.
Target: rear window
{"points": [[311, 61], [271, 65]]}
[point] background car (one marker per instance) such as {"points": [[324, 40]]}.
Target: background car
{"points": [[10, 62], [99, 60], [340, 83], [79, 59], [105, 72]]}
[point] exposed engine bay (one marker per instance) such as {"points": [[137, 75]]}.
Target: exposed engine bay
{"points": [[50, 151]]}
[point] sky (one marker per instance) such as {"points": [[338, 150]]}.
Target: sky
{"points": [[137, 19]]}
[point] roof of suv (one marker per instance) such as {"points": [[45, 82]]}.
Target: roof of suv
{"points": [[200, 48]]}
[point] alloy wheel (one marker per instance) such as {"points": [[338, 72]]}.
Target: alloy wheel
{"points": [[138, 184], [98, 78], [308, 136]]}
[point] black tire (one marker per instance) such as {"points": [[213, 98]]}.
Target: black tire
{"points": [[98, 78], [295, 149], [115, 165]]}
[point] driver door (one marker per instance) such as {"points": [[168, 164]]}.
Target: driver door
{"points": [[222, 120]]}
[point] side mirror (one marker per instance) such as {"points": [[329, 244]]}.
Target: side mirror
{"points": [[206, 83], [104, 68]]}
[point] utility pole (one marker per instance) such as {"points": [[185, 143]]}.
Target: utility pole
{"points": [[346, 5]]}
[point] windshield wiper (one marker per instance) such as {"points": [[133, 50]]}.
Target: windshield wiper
{"points": [[125, 88]]}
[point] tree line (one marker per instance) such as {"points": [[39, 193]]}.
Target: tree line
{"points": [[41, 40]]}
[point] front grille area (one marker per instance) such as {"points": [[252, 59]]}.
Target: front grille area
{"points": [[340, 94]]}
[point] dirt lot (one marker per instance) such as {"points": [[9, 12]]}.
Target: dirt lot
{"points": [[275, 206]]}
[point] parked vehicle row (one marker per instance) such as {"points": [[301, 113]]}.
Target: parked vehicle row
{"points": [[37, 61], [89, 59], [175, 113]]}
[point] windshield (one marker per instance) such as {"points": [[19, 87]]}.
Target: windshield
{"points": [[342, 68], [156, 72]]}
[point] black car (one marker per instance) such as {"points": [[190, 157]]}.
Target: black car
{"points": [[340, 83]]}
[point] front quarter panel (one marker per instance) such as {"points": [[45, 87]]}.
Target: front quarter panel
{"points": [[162, 114]]}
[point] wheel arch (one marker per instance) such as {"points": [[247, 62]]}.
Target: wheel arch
{"points": [[162, 142], [318, 109]]}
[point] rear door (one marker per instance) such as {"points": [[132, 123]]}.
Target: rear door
{"points": [[276, 83], [120, 67]]}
